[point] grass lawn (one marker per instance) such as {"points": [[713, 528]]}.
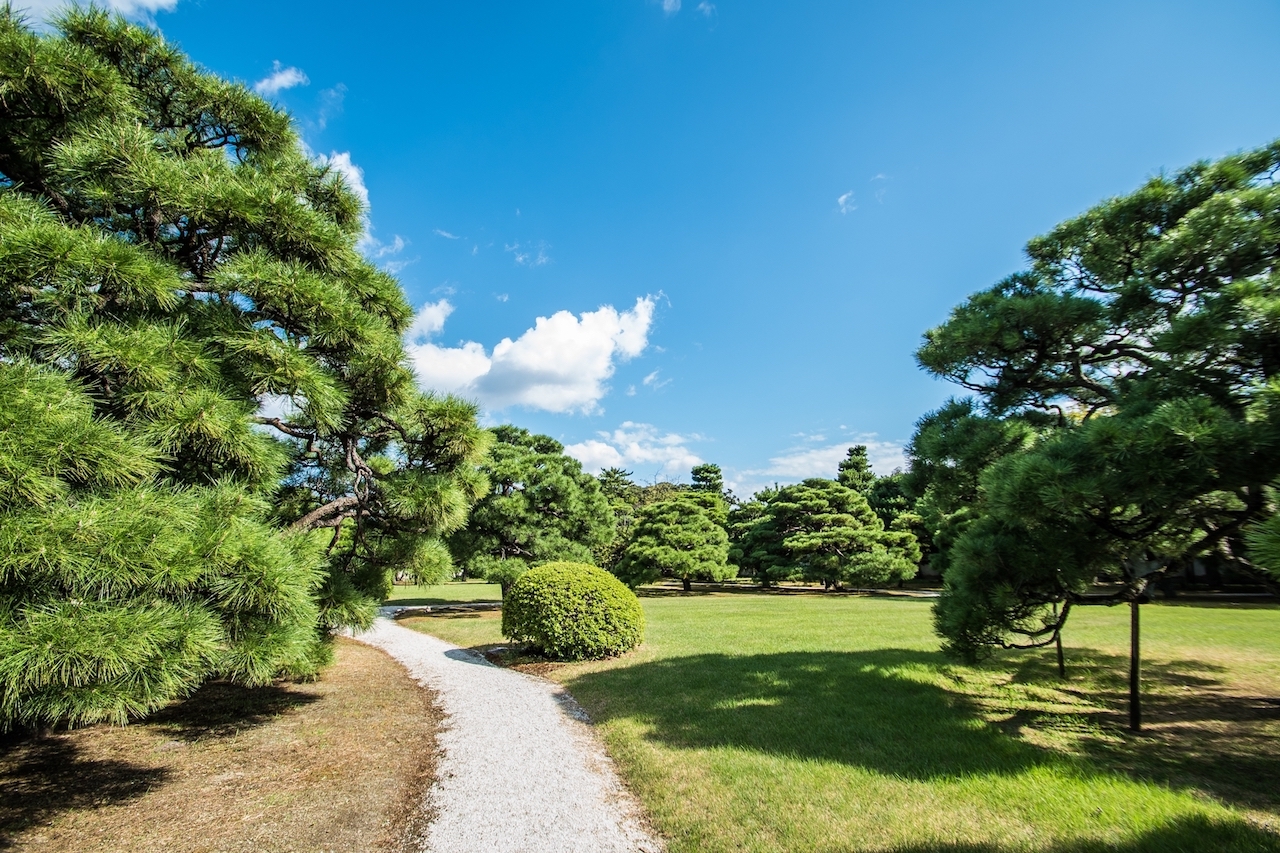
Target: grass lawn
{"points": [[339, 764], [464, 592], [814, 723]]}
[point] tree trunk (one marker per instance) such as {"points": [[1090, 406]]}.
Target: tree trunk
{"points": [[688, 587], [1135, 673], [1062, 663]]}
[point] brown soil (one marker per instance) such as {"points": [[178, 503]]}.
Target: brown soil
{"points": [[338, 765]]}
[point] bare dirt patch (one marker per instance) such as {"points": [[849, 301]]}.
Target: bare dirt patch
{"points": [[338, 765]]}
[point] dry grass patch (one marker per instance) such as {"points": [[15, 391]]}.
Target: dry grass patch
{"points": [[337, 765]]}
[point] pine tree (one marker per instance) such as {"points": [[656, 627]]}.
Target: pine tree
{"points": [[540, 508], [820, 530], [680, 537], [855, 471], [170, 260]]}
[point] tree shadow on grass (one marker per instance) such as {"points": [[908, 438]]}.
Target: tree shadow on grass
{"points": [[1195, 834], [890, 711], [43, 776], [220, 709], [1197, 731], [858, 708]]}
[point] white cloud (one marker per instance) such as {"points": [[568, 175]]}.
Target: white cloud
{"points": [[502, 297], [670, 7], [640, 447], [846, 202], [279, 79], [429, 320], [331, 102], [352, 174], [707, 9], [799, 463], [560, 365], [445, 234], [369, 245]]}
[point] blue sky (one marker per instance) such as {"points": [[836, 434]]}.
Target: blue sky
{"points": [[670, 232]]}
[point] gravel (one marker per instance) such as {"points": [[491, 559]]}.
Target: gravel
{"points": [[520, 767]]}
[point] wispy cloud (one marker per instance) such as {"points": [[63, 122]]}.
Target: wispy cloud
{"points": [[640, 447], [562, 364], [331, 104], [143, 9], [846, 202], [670, 7], [440, 232], [880, 190], [653, 382], [340, 163], [800, 463], [529, 255], [393, 248], [707, 9], [279, 79]]}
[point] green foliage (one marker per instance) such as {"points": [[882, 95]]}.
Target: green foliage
{"points": [[819, 530], [1129, 415], [707, 478], [171, 265], [118, 593], [855, 471], [540, 507], [573, 611], [680, 537]]}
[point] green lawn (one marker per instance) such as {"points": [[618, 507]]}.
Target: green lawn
{"points": [[811, 723], [465, 592]]}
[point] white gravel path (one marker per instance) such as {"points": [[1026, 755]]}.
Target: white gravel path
{"points": [[520, 768]]}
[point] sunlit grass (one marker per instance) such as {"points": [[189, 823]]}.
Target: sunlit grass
{"points": [[446, 593], [833, 723]]}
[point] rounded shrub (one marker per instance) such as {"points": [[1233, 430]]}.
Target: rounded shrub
{"points": [[572, 611]]}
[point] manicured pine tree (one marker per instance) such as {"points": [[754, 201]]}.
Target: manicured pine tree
{"points": [[821, 530], [680, 537], [1125, 419], [169, 261]]}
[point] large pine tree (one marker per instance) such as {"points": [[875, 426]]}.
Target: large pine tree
{"points": [[172, 267]]}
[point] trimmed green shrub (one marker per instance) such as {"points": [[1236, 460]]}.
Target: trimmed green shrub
{"points": [[573, 611]]}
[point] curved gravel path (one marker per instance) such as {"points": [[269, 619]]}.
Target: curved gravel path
{"points": [[520, 768]]}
